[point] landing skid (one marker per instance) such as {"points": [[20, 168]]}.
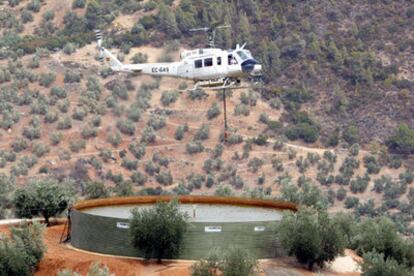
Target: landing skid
{"points": [[219, 84]]}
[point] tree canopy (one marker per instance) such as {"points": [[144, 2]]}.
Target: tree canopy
{"points": [[158, 231], [44, 197], [311, 236]]}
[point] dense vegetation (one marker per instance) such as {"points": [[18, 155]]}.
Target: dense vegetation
{"points": [[22, 251], [158, 231]]}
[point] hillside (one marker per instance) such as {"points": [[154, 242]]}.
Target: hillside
{"points": [[338, 84]]}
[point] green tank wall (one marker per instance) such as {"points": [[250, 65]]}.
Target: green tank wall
{"points": [[101, 234]]}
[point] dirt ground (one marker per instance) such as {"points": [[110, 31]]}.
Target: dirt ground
{"points": [[60, 256]]}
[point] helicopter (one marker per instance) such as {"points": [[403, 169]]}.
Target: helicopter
{"points": [[211, 67]]}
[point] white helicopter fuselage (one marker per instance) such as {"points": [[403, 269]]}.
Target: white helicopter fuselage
{"points": [[198, 65]]}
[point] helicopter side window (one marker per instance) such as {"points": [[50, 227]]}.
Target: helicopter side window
{"points": [[218, 60], [208, 62], [232, 60], [198, 63]]}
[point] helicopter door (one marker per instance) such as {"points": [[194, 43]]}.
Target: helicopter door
{"points": [[233, 64]]}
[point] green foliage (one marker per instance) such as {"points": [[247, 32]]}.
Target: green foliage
{"points": [[46, 79], [351, 202], [403, 140], [351, 135], [21, 253], [202, 133], [164, 178], [126, 127], [376, 265], [158, 231], [72, 76], [169, 97], [78, 4], [223, 190], [95, 189], [19, 144], [45, 197], [213, 111], [308, 194], [380, 235], [194, 147], [77, 145], [114, 138], [311, 236], [139, 178]]}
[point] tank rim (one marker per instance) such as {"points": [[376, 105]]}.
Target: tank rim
{"points": [[188, 199]]}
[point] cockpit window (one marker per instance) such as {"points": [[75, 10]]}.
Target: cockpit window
{"points": [[232, 60], [242, 55]]}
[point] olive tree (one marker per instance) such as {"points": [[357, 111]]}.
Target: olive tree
{"points": [[22, 251], [311, 236], [158, 232], [44, 197]]}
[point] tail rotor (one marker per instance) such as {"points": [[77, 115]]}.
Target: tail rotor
{"points": [[98, 35]]}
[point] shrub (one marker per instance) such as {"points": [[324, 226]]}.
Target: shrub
{"points": [[26, 16], [402, 141], [197, 94], [55, 138], [164, 178], [95, 189], [151, 168], [163, 233], [126, 127], [89, 132], [114, 138], [351, 135], [148, 135], [69, 48], [78, 4], [139, 178], [40, 149], [129, 164], [359, 184], [194, 147], [202, 133], [341, 194], [260, 140], [19, 144], [58, 92], [64, 122], [51, 117], [376, 264], [351, 202], [156, 122], [169, 97], [46, 79], [72, 76], [223, 190], [31, 132], [354, 150], [48, 15], [79, 113], [21, 253], [371, 164], [255, 163], [241, 109], [34, 6], [76, 145], [213, 111], [137, 149]]}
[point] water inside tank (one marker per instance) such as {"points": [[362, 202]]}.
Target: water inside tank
{"points": [[199, 212]]}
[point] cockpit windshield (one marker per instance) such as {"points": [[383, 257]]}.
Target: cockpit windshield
{"points": [[243, 55]]}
